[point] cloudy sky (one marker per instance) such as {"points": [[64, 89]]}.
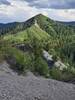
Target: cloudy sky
{"points": [[21, 10]]}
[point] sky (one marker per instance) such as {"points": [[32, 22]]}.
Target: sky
{"points": [[21, 10]]}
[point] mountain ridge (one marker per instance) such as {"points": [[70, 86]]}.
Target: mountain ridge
{"points": [[19, 26], [37, 34], [68, 22]]}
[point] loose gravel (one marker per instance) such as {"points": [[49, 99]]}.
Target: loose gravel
{"points": [[30, 87]]}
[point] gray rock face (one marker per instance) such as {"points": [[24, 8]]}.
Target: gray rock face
{"points": [[29, 87], [50, 60]]}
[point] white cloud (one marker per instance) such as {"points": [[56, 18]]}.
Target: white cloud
{"points": [[63, 15], [19, 10]]}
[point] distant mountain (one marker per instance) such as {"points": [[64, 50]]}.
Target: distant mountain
{"points": [[44, 22], [40, 26], [69, 23]]}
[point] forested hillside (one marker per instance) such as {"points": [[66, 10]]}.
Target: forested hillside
{"points": [[35, 35]]}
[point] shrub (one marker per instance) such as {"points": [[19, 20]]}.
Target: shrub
{"points": [[41, 67], [55, 73], [20, 60]]}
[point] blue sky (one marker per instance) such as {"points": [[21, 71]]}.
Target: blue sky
{"points": [[21, 10]]}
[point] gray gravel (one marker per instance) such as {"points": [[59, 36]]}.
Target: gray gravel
{"points": [[29, 87]]}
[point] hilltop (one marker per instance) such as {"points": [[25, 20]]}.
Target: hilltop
{"points": [[23, 43], [41, 20]]}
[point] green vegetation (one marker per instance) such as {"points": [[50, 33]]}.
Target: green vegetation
{"points": [[55, 37], [25, 35], [23, 61], [41, 67], [64, 75]]}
